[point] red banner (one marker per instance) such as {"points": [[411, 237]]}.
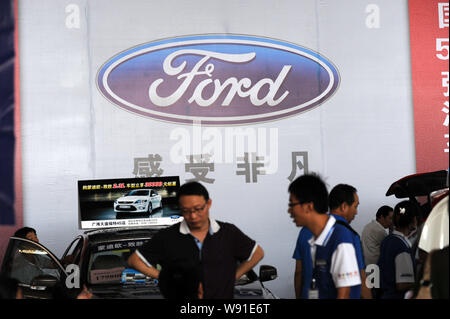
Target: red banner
{"points": [[429, 25]]}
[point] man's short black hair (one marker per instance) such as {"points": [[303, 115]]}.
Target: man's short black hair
{"points": [[310, 188], [193, 188], [341, 193], [22, 232], [384, 211]]}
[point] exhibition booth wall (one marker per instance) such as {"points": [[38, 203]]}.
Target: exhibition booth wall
{"points": [[242, 96]]}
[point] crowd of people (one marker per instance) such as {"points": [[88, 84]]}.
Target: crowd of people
{"points": [[332, 259], [202, 257]]}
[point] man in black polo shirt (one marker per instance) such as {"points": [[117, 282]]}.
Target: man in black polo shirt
{"points": [[212, 247]]}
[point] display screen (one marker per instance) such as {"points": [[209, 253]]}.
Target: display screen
{"points": [[128, 202]]}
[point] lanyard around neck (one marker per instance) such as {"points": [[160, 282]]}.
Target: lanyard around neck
{"points": [[324, 243]]}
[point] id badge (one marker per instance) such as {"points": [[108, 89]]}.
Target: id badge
{"points": [[313, 294]]}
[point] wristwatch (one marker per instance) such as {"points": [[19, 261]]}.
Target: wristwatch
{"points": [[425, 283]]}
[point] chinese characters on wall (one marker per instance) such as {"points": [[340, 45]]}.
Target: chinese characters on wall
{"points": [[429, 24], [442, 49], [201, 167]]}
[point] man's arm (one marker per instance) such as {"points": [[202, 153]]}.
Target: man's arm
{"points": [[365, 291], [249, 264], [343, 293], [425, 291], [298, 279], [135, 262], [344, 269]]}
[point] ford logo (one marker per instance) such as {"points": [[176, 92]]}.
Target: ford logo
{"points": [[218, 79]]}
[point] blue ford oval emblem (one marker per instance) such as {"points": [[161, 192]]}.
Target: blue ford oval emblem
{"points": [[218, 79]]}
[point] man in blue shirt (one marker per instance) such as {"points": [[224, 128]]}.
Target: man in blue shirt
{"points": [[332, 259], [343, 203], [303, 264]]}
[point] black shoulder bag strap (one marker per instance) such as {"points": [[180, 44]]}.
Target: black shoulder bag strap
{"points": [[340, 222]]}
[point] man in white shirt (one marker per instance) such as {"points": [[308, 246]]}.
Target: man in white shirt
{"points": [[374, 233], [335, 268]]}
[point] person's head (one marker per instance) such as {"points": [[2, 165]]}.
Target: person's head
{"points": [[385, 215], [27, 233], [405, 216], [344, 201], [307, 194], [179, 283], [9, 288], [195, 203]]}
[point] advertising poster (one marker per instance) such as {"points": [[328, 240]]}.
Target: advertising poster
{"points": [[129, 202]]}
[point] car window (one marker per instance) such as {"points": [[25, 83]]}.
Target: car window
{"points": [[25, 260], [138, 193], [73, 251], [108, 261]]}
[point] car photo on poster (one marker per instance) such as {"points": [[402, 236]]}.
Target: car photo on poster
{"points": [[138, 201]]}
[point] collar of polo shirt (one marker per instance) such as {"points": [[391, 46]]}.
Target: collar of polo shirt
{"points": [[213, 227], [324, 235], [402, 236]]}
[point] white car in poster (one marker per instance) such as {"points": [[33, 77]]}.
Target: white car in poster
{"points": [[138, 201]]}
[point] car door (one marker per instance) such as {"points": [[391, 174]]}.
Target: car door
{"points": [[34, 266], [72, 254], [155, 199]]}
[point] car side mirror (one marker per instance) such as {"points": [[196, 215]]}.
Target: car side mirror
{"points": [[267, 273], [43, 281]]}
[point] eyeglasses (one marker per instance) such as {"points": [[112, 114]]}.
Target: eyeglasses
{"points": [[291, 205], [196, 210]]}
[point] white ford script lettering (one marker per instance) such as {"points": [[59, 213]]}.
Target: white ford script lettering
{"points": [[242, 87]]}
